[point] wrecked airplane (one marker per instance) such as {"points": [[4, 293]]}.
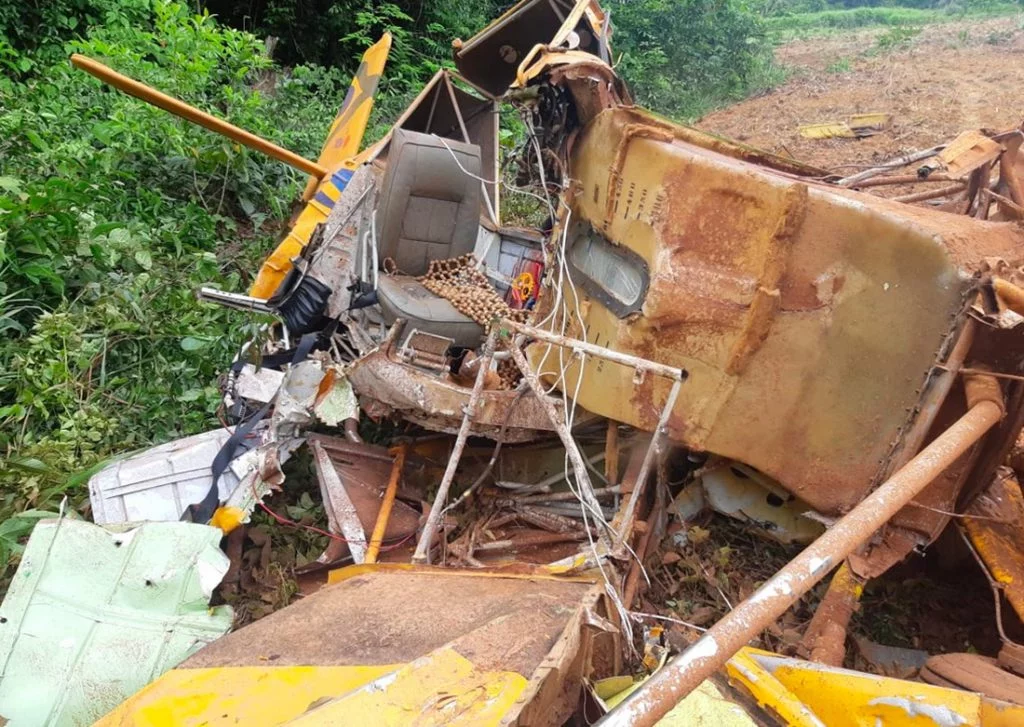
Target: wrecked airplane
{"points": [[835, 368]]}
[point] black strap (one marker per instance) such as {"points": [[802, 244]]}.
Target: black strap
{"points": [[202, 511]]}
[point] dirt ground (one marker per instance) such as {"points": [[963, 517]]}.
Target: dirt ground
{"points": [[949, 78]]}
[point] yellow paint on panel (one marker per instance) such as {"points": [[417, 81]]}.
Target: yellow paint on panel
{"points": [[844, 698], [442, 688], [238, 695]]}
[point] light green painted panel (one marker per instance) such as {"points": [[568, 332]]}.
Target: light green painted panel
{"points": [[95, 613]]}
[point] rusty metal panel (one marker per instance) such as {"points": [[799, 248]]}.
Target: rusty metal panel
{"points": [[807, 316], [387, 386]]}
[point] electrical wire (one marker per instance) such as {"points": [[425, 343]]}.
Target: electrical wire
{"points": [[560, 310]]}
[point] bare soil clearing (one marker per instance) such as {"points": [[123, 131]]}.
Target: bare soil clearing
{"points": [[951, 77]]}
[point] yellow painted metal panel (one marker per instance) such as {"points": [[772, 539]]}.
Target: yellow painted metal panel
{"points": [[769, 692], [442, 688], [843, 698], [1000, 714], [348, 127], [876, 120], [249, 695], [827, 131], [998, 536], [340, 153]]}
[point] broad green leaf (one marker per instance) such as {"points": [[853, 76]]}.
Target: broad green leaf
{"points": [[190, 343], [36, 140]]}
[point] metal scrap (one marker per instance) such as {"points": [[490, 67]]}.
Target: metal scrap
{"points": [[966, 153], [856, 127]]}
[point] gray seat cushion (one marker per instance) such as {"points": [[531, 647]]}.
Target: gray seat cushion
{"points": [[401, 296], [429, 208]]}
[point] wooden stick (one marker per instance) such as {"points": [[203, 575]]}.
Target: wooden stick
{"points": [[930, 194], [903, 179]]}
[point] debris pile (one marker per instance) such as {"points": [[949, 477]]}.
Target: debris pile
{"points": [[519, 436]]}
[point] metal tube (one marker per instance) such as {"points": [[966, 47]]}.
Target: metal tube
{"points": [[900, 161], [1011, 296], [578, 465], [385, 507], [565, 496], [191, 113], [233, 300], [640, 364], [545, 484], [706, 655], [351, 426], [832, 618], [422, 554], [645, 468], [931, 194], [611, 453]]}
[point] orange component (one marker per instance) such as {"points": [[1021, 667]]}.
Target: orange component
{"points": [[523, 287], [385, 507]]}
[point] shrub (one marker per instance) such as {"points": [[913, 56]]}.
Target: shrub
{"points": [[683, 57], [111, 213]]}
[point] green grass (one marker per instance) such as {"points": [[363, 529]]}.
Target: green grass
{"points": [[801, 25], [840, 66]]}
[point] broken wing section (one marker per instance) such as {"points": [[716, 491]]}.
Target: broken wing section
{"points": [[338, 157]]}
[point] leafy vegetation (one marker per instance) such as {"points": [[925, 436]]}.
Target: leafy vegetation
{"points": [[111, 213], [684, 57], [784, 22]]}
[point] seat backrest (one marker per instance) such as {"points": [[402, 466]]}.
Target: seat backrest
{"points": [[429, 208]]}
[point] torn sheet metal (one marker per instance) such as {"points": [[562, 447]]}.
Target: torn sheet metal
{"points": [[335, 401], [94, 614], [857, 126], [258, 384], [352, 479], [892, 661], [297, 395], [745, 494], [995, 524], [262, 475], [340, 511], [966, 153], [844, 698], [386, 386], [159, 483]]}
